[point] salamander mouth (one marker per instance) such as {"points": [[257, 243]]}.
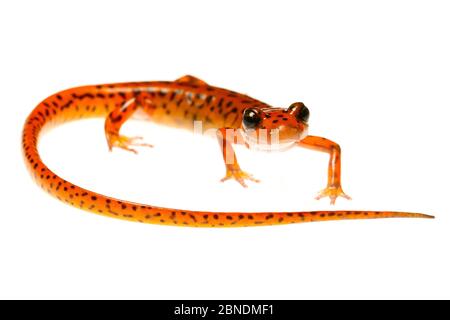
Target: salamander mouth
{"points": [[278, 139], [277, 147]]}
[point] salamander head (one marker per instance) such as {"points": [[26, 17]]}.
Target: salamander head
{"points": [[275, 128]]}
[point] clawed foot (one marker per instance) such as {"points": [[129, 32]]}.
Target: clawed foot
{"points": [[333, 193], [238, 175], [126, 143]]}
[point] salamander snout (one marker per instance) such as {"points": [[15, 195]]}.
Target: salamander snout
{"points": [[275, 128]]}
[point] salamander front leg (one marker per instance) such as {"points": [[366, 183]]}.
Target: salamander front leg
{"points": [[114, 122], [227, 136], [333, 189]]}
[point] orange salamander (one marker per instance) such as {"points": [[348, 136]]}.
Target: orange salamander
{"points": [[237, 118]]}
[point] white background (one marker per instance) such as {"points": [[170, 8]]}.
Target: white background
{"points": [[375, 76]]}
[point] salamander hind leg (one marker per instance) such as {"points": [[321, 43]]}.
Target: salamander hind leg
{"points": [[191, 80], [114, 122], [233, 171], [126, 143]]}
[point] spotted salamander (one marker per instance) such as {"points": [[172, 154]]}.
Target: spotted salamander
{"points": [[237, 118]]}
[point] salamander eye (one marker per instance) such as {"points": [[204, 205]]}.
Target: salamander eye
{"points": [[300, 110], [251, 119], [303, 114]]}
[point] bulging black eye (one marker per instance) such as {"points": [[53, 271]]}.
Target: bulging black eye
{"points": [[303, 114], [251, 119], [300, 111]]}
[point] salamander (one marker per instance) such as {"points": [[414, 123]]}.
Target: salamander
{"points": [[237, 119]]}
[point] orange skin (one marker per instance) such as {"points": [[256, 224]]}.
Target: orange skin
{"points": [[179, 103]]}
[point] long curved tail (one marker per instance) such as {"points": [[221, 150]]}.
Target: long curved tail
{"points": [[97, 101]]}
